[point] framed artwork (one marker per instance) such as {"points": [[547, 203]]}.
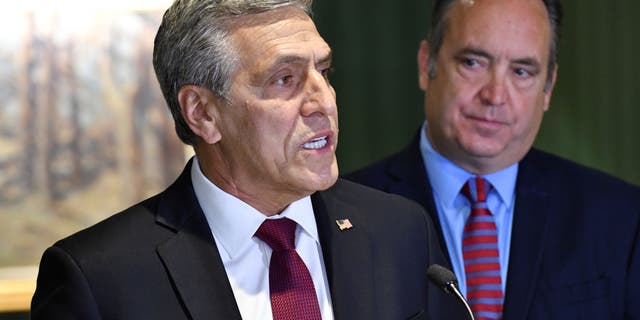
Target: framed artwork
{"points": [[84, 130]]}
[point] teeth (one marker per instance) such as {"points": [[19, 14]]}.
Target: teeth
{"points": [[317, 143]]}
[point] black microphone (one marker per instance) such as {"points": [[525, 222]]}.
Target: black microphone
{"points": [[447, 281]]}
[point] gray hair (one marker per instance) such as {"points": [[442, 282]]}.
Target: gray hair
{"points": [[440, 24], [192, 47]]}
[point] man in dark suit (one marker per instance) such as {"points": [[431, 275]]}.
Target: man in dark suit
{"points": [[258, 225], [556, 240]]}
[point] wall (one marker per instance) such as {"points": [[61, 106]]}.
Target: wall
{"points": [[593, 113], [594, 108]]}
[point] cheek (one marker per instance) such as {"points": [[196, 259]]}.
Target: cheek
{"points": [[447, 106], [276, 129], [529, 117], [267, 116]]}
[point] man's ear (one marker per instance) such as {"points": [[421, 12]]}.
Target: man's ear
{"points": [[199, 110], [423, 65]]}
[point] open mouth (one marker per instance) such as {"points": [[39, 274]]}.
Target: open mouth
{"points": [[317, 143]]}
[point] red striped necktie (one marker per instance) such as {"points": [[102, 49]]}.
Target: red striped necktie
{"points": [[480, 254], [293, 295]]}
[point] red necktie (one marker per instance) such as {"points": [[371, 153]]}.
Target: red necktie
{"points": [[293, 296], [480, 253]]}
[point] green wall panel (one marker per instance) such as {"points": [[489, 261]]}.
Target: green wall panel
{"points": [[594, 110]]}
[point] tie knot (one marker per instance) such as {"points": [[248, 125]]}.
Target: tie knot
{"points": [[279, 234], [476, 189]]}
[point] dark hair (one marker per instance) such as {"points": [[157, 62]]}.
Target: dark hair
{"points": [[192, 47], [440, 23]]}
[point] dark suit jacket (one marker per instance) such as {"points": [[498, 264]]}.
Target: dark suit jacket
{"points": [[575, 246], [158, 260]]}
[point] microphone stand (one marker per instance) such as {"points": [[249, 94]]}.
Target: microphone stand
{"points": [[451, 287]]}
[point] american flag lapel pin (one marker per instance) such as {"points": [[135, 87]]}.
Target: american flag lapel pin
{"points": [[344, 224]]}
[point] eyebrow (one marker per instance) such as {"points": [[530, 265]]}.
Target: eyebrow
{"points": [[296, 59], [326, 58], [528, 61], [474, 51]]}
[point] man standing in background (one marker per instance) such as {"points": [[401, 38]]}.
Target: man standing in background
{"points": [[529, 235]]}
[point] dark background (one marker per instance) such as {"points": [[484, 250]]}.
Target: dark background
{"points": [[594, 109]]}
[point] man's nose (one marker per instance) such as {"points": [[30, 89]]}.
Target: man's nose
{"points": [[493, 92], [320, 96]]}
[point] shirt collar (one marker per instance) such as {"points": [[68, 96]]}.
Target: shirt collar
{"points": [[447, 178], [234, 222]]}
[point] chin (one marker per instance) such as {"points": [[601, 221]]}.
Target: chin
{"points": [[325, 180], [483, 148], [330, 182]]}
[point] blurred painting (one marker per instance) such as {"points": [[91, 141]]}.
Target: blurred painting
{"points": [[84, 130]]}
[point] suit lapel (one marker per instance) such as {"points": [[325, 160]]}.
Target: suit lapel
{"points": [[191, 257], [347, 257], [530, 222], [411, 180]]}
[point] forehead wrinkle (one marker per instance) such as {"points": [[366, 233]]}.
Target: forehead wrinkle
{"points": [[285, 59], [270, 39], [267, 23], [294, 46]]}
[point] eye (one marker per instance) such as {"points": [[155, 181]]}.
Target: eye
{"points": [[522, 73], [326, 72], [283, 80], [470, 62]]}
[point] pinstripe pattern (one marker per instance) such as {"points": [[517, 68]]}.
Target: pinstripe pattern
{"points": [[480, 253]]}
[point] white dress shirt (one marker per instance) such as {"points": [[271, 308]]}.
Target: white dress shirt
{"points": [[233, 224]]}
